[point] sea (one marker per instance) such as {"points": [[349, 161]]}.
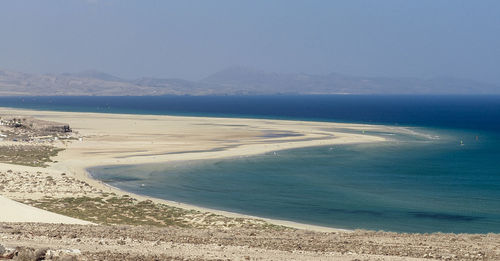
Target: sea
{"points": [[443, 175]]}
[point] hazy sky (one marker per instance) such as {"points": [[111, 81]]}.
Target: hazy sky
{"points": [[192, 39]]}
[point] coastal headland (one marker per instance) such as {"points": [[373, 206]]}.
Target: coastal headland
{"points": [[63, 185]]}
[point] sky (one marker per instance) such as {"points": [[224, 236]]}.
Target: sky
{"points": [[193, 39]]}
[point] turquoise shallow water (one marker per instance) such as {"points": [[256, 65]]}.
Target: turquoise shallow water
{"points": [[409, 184], [413, 183]]}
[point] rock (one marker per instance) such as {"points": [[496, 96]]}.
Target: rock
{"points": [[2, 250], [63, 254], [73, 251], [68, 258], [40, 254], [24, 254]]}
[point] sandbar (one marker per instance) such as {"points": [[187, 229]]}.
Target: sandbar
{"points": [[122, 139]]}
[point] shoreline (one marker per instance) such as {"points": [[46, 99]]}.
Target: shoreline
{"points": [[85, 175], [231, 214], [249, 140]]}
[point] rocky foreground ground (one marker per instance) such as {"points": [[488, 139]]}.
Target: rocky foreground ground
{"points": [[77, 242]]}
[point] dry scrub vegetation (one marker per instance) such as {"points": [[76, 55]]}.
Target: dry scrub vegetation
{"points": [[28, 155], [110, 209]]}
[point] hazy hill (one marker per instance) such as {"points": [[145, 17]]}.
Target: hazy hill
{"points": [[232, 81], [263, 82], [95, 75]]}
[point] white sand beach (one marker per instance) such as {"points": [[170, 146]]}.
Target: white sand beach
{"points": [[117, 139]]}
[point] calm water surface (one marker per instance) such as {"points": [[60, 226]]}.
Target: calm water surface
{"points": [[411, 183], [408, 184]]}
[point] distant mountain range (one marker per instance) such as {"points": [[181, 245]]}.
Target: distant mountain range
{"points": [[232, 81]]}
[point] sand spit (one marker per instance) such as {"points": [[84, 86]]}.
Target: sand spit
{"points": [[116, 139], [185, 232]]}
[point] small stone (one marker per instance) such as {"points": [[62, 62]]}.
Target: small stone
{"points": [[40, 254]]}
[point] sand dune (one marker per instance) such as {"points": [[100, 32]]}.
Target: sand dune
{"points": [[13, 211]]}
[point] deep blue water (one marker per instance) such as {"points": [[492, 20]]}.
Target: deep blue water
{"points": [[411, 183], [470, 112]]}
